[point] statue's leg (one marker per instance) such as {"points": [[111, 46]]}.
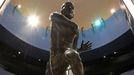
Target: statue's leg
{"points": [[58, 64], [48, 71], [74, 61]]}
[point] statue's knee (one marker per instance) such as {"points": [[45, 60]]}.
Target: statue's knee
{"points": [[72, 54]]}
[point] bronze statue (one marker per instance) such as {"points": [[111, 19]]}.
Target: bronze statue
{"points": [[64, 36]]}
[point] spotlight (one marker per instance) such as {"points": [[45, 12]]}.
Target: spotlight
{"points": [[97, 23], [33, 21], [19, 6], [104, 56], [112, 10], [19, 52], [39, 59], [115, 52]]}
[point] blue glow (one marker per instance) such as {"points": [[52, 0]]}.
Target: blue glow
{"points": [[97, 23]]}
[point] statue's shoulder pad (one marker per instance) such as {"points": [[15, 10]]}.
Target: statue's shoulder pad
{"points": [[55, 15]]}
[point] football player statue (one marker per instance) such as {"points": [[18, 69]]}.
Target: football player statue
{"points": [[64, 37]]}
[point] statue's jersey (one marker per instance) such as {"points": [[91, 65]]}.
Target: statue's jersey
{"points": [[64, 33]]}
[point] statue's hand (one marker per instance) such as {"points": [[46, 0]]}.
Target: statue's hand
{"points": [[85, 46]]}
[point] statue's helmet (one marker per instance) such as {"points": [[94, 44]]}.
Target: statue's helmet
{"points": [[67, 9], [68, 5]]}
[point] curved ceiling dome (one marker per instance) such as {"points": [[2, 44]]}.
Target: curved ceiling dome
{"points": [[39, 37]]}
